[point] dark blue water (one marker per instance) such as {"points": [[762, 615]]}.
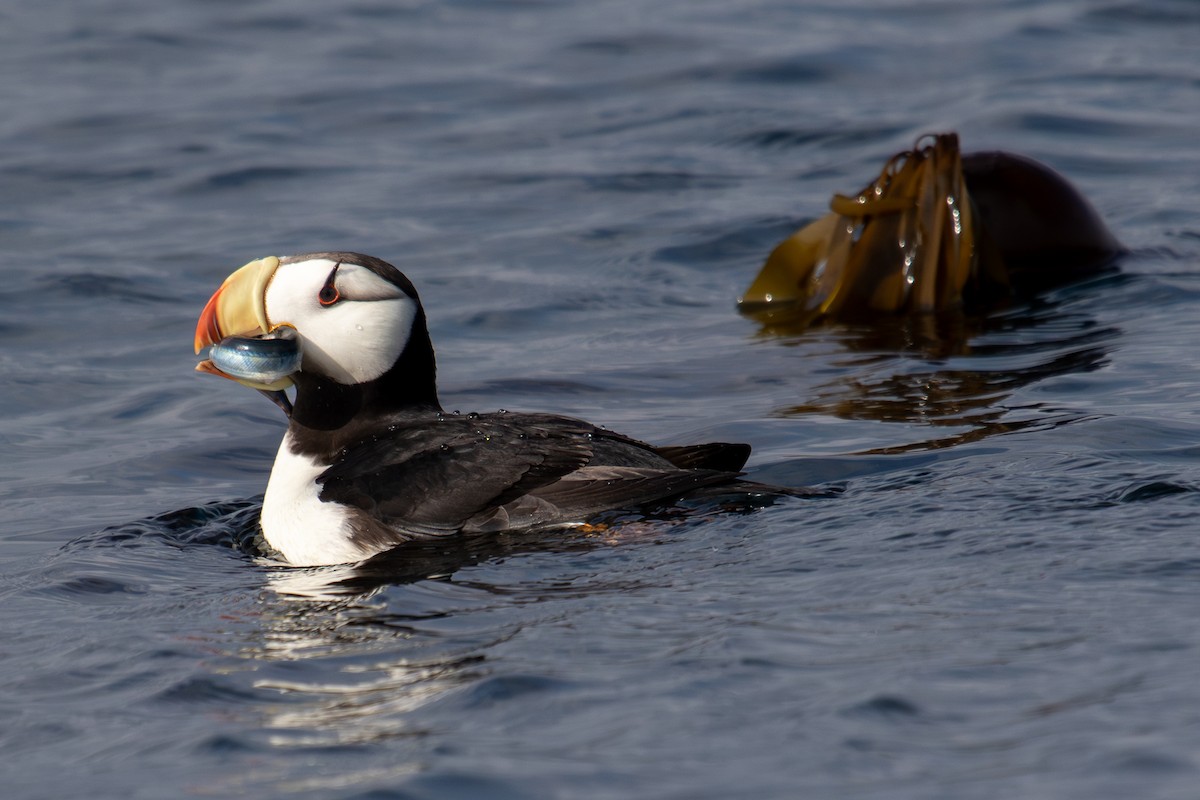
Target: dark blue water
{"points": [[1002, 603]]}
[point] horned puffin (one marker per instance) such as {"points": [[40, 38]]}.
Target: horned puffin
{"points": [[370, 459]]}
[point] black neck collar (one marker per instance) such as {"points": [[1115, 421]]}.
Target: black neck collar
{"points": [[330, 411]]}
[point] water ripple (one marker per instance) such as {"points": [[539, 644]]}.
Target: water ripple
{"points": [[580, 190]]}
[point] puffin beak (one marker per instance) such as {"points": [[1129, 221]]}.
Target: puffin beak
{"points": [[238, 308]]}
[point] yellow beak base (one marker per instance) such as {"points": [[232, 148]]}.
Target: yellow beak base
{"points": [[238, 308]]}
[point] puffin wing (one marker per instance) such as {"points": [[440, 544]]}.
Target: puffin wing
{"points": [[430, 479], [592, 489]]}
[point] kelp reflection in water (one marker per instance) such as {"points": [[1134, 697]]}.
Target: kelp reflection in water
{"points": [[953, 371]]}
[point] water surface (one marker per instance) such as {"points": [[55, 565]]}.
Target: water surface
{"points": [[1001, 602]]}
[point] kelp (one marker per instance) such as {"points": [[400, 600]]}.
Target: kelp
{"points": [[916, 241]]}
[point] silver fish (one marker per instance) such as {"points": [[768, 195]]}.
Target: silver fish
{"points": [[263, 361]]}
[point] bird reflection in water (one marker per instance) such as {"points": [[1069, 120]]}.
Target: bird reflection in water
{"points": [[383, 639], [373, 660], [943, 262]]}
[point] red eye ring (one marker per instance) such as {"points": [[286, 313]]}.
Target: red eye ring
{"points": [[329, 293]]}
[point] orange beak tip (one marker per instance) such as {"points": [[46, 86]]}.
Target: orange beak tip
{"points": [[208, 329]]}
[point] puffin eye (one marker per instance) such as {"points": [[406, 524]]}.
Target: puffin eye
{"points": [[329, 293]]}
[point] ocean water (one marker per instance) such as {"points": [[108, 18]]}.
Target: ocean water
{"points": [[1001, 602]]}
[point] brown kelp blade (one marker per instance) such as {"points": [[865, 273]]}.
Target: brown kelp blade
{"points": [[935, 231], [785, 276], [905, 243]]}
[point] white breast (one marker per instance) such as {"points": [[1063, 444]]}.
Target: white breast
{"points": [[305, 530]]}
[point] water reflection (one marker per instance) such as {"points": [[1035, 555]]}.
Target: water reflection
{"points": [[381, 640], [352, 661], [368, 703], [952, 370]]}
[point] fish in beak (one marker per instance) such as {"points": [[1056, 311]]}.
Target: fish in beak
{"points": [[238, 310]]}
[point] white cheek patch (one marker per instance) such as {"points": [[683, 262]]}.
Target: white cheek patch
{"points": [[355, 340]]}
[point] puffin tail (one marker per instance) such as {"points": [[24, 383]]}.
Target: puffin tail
{"points": [[718, 456]]}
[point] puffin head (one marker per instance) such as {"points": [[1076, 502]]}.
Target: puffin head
{"points": [[358, 319]]}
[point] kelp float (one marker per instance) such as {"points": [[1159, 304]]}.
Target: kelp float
{"points": [[936, 230]]}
